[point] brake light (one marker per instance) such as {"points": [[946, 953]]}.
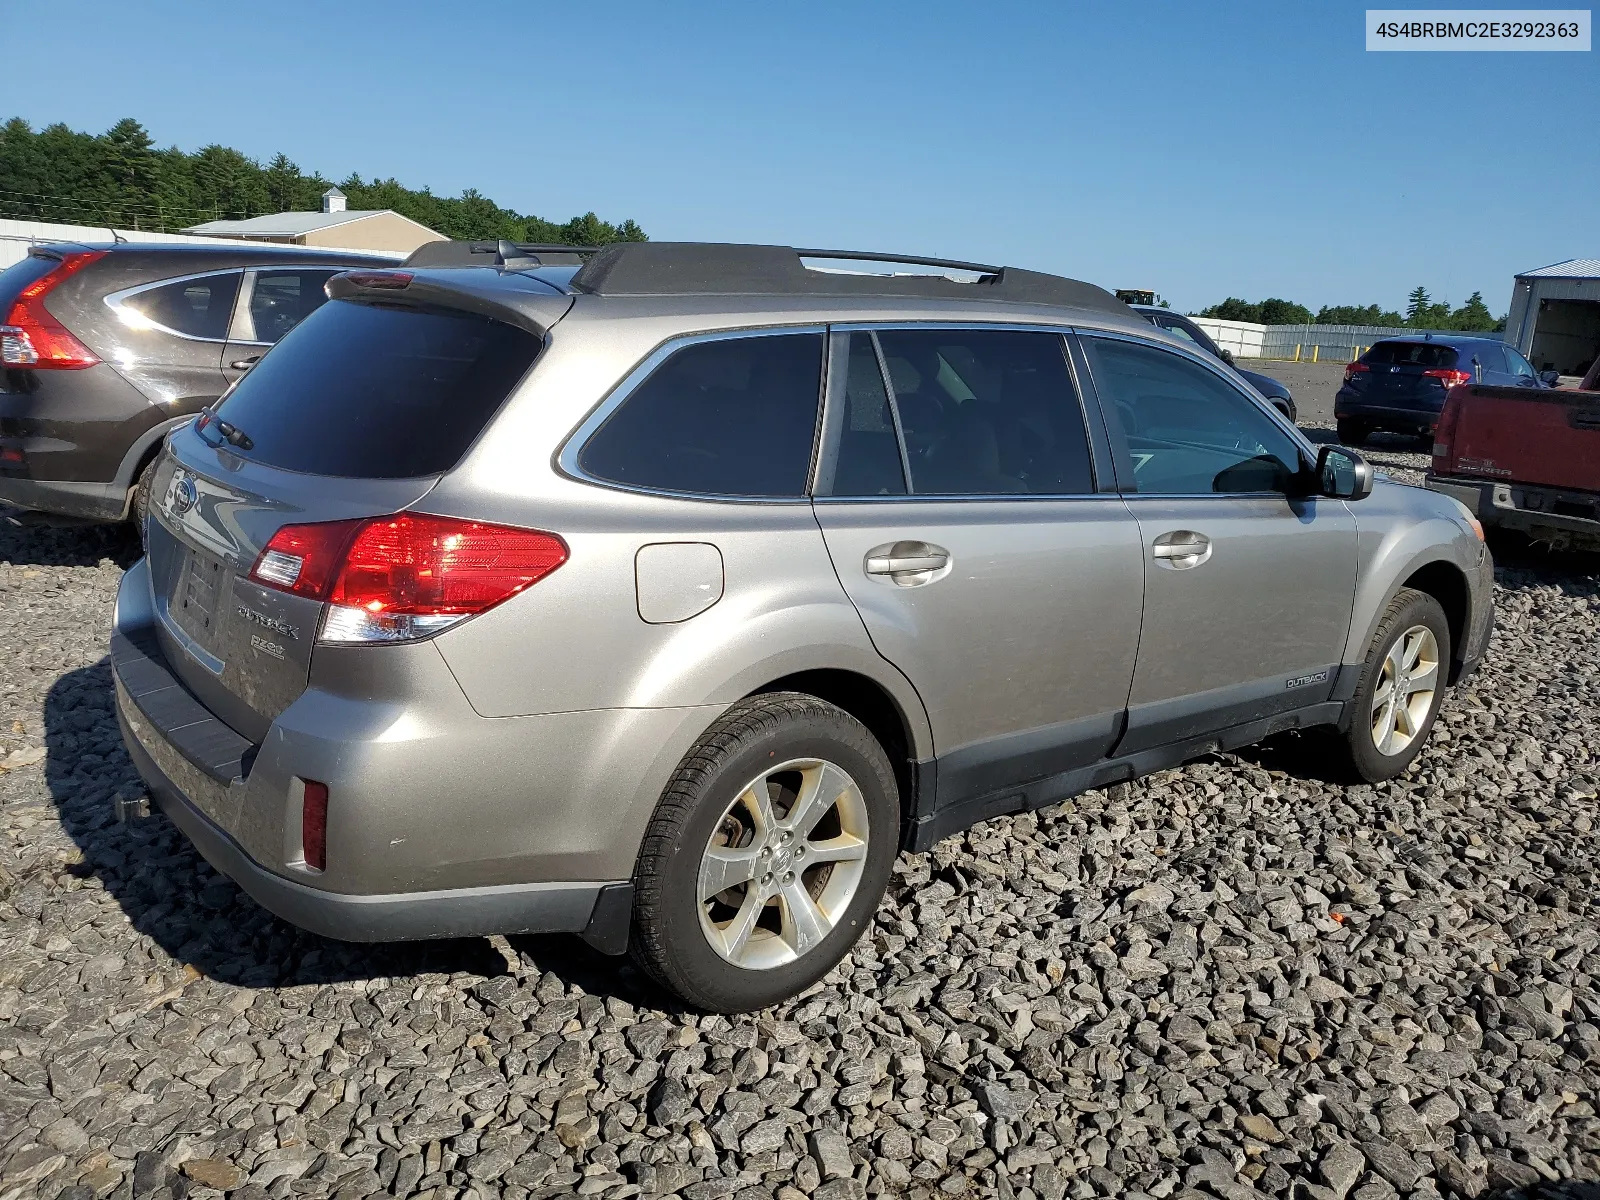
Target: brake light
{"points": [[1355, 368], [31, 337], [1450, 378], [380, 279], [407, 576], [314, 824]]}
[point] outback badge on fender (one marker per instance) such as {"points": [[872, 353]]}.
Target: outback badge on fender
{"points": [[1305, 680]]}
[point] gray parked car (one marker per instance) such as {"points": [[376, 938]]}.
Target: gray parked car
{"points": [[106, 348], [666, 599]]}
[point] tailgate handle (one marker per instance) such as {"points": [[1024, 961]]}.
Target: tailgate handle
{"points": [[1586, 418]]}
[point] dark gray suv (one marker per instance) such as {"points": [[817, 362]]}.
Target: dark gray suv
{"points": [[105, 348]]}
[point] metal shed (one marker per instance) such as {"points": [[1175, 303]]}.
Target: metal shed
{"points": [[1555, 315]]}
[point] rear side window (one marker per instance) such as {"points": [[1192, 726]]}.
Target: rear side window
{"points": [[1411, 354], [378, 392], [727, 417], [200, 308], [282, 299]]}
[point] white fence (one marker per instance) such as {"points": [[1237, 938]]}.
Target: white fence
{"points": [[18, 237], [1306, 343]]}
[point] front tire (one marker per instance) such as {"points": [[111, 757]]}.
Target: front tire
{"points": [[1401, 687], [767, 855]]}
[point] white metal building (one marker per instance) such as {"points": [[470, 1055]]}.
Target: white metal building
{"points": [[1555, 315]]}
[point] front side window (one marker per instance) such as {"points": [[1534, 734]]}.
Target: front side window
{"points": [[986, 412], [200, 308], [727, 417], [1519, 365], [1186, 429], [282, 299]]}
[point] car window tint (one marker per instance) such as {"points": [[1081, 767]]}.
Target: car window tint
{"points": [[197, 307], [727, 417], [377, 391], [1186, 429], [282, 299], [1174, 327], [987, 412], [1411, 354], [1491, 358], [867, 460]]}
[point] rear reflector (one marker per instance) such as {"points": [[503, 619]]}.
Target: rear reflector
{"points": [[31, 337], [407, 576], [314, 824]]}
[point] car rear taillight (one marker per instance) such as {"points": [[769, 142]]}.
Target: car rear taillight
{"points": [[1450, 378], [407, 576], [31, 337], [1354, 369], [314, 824]]}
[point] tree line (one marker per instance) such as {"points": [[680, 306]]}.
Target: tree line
{"points": [[121, 178], [1422, 312]]}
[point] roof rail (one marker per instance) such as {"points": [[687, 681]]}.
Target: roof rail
{"points": [[507, 256], [718, 268]]}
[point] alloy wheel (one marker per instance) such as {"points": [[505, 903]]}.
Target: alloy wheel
{"points": [[1406, 687], [784, 862]]}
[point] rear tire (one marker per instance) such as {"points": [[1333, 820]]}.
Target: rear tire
{"points": [[139, 504], [1401, 687], [1353, 433], [794, 904]]}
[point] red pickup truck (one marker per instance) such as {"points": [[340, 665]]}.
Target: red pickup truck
{"points": [[1524, 458]]}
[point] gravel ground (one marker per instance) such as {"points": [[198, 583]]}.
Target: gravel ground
{"points": [[1228, 980]]}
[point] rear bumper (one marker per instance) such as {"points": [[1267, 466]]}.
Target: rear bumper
{"points": [[1346, 408], [1526, 509], [229, 797]]}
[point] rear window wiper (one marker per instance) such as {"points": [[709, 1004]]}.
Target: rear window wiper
{"points": [[229, 432]]}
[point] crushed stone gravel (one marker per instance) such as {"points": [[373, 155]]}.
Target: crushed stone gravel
{"points": [[1228, 980]]}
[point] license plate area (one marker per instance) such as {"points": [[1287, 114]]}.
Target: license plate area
{"points": [[198, 602]]}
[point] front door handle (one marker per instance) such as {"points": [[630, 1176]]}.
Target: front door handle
{"points": [[1181, 549], [908, 564], [244, 364]]}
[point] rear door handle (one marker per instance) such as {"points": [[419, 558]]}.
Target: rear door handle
{"points": [[908, 563], [1181, 549]]}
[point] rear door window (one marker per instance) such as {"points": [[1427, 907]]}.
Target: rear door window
{"points": [[726, 417], [987, 412], [282, 299], [377, 391], [1411, 354], [197, 308]]}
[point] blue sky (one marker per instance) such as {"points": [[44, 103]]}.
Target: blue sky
{"points": [[1201, 150]]}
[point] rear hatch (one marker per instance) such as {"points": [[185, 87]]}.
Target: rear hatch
{"points": [[355, 414], [1407, 375], [1522, 435]]}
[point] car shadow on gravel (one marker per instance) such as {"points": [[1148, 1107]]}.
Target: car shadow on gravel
{"points": [[201, 918], [36, 540]]}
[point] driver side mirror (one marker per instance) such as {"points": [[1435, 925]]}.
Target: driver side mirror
{"points": [[1550, 378], [1343, 474], [1227, 356]]}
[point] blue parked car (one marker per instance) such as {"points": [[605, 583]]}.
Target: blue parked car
{"points": [[1400, 384]]}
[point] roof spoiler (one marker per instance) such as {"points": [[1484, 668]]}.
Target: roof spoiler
{"points": [[502, 254], [716, 268]]}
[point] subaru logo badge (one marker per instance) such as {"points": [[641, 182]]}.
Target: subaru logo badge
{"points": [[184, 495]]}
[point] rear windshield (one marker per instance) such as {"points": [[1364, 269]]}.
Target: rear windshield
{"points": [[1411, 354], [377, 391]]}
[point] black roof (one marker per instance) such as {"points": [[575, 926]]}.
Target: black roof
{"points": [[726, 269]]}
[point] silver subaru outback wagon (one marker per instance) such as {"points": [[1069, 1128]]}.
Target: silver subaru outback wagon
{"points": [[664, 593]]}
